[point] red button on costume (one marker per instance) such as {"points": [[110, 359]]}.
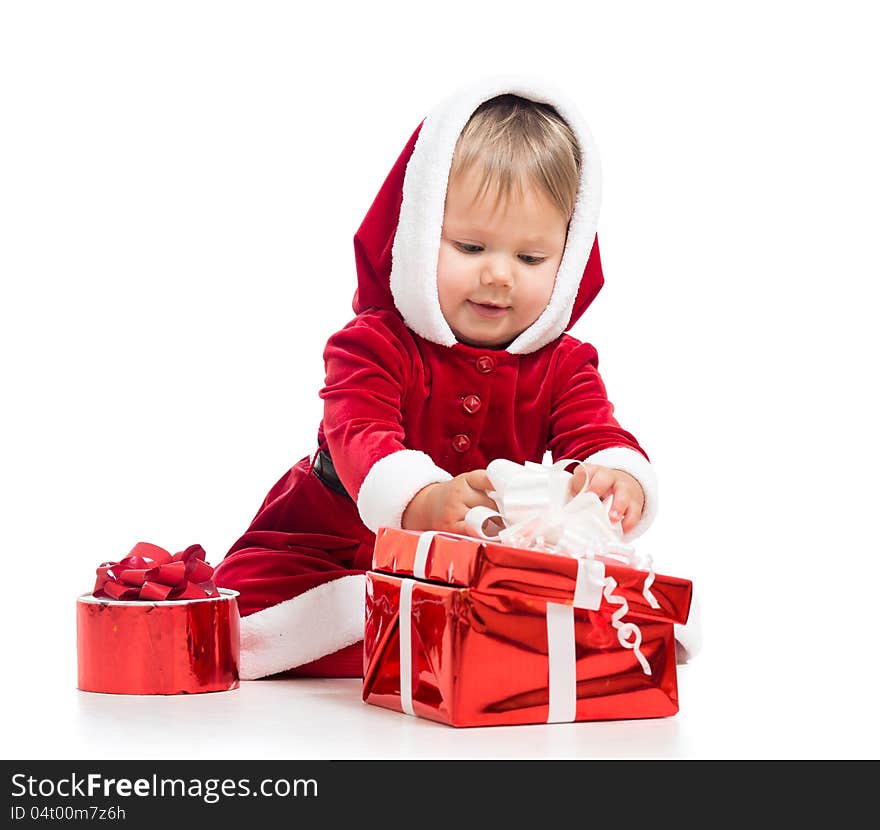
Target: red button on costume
{"points": [[471, 404], [392, 397], [485, 364], [461, 443]]}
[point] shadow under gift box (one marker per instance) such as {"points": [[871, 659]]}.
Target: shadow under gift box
{"points": [[164, 647], [479, 637]]}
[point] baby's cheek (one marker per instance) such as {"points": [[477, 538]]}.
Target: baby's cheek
{"points": [[451, 282], [445, 291], [536, 297]]}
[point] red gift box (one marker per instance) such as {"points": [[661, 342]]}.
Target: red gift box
{"points": [[484, 634], [155, 624]]}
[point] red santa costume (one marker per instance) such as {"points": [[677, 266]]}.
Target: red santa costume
{"points": [[406, 405]]}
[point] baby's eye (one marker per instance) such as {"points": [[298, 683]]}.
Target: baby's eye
{"points": [[468, 249], [532, 260]]}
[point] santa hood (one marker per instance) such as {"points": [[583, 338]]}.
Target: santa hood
{"points": [[398, 243]]}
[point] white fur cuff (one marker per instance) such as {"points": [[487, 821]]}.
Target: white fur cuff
{"points": [[391, 484], [320, 621], [632, 462], [689, 637]]}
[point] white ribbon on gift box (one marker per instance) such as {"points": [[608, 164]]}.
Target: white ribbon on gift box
{"points": [[537, 512], [561, 656], [405, 614]]}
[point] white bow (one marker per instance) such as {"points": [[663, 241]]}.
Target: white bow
{"points": [[536, 511]]}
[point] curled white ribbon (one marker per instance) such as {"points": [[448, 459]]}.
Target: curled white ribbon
{"points": [[536, 512], [628, 634]]}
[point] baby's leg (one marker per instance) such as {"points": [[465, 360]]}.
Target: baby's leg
{"points": [[300, 610], [299, 570]]}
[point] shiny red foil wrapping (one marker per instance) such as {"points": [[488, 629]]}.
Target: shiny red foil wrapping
{"points": [[158, 648], [479, 640]]}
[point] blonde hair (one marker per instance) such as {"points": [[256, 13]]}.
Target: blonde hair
{"points": [[516, 141]]}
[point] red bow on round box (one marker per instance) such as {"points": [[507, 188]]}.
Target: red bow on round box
{"points": [[156, 624], [151, 573]]}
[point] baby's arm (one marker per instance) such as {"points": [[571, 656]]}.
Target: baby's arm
{"points": [[443, 506], [369, 366]]}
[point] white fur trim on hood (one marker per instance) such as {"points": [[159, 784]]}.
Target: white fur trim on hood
{"points": [[416, 247]]}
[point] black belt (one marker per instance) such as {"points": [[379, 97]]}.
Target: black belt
{"points": [[323, 468]]}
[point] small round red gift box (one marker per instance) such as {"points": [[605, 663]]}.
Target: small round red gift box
{"points": [[164, 647]]}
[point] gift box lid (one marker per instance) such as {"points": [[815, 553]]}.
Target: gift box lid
{"points": [[465, 562]]}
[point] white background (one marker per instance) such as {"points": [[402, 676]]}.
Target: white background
{"points": [[179, 187]]}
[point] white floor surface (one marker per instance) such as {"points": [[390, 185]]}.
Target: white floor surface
{"points": [[721, 717]]}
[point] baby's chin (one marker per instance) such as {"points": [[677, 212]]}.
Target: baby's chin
{"points": [[485, 342], [484, 334]]}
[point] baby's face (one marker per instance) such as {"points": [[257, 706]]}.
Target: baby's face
{"points": [[496, 269]]}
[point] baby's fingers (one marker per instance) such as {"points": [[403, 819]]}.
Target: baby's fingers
{"points": [[478, 484], [479, 480], [620, 504], [578, 479], [631, 519], [602, 480], [626, 508]]}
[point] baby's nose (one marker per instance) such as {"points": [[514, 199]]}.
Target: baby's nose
{"points": [[497, 271]]}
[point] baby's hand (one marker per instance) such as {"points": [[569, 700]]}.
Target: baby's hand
{"points": [[443, 506], [628, 497]]}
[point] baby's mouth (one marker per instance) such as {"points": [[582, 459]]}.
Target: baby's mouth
{"points": [[488, 309]]}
